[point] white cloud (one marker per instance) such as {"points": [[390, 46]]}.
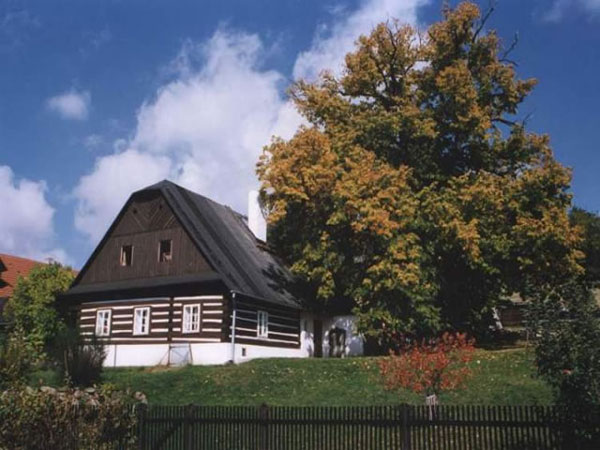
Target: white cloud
{"points": [[206, 128], [26, 227], [93, 141], [332, 42], [556, 12], [71, 105], [203, 130]]}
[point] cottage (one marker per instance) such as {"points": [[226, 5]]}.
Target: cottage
{"points": [[179, 278]]}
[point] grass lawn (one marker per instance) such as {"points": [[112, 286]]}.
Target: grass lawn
{"points": [[501, 377]]}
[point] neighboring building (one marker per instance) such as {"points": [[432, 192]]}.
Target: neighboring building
{"points": [[179, 278], [11, 268]]}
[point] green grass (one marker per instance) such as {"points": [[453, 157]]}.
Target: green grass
{"points": [[501, 377]]}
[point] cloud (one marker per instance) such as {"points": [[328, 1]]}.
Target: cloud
{"points": [[93, 141], [332, 42], [206, 126], [71, 105], [26, 228], [559, 8], [204, 129], [15, 25]]}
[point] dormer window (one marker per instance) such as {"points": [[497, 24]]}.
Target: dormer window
{"points": [[164, 250], [126, 255]]}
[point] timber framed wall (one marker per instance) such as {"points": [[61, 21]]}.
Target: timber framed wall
{"points": [[165, 320], [210, 344], [283, 324]]}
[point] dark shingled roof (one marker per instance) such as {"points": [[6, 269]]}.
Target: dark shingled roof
{"points": [[243, 262]]}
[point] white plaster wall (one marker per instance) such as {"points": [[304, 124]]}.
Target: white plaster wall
{"points": [[354, 341], [258, 351], [201, 354], [136, 355]]}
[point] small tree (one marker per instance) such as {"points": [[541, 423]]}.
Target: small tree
{"points": [[33, 307], [566, 322], [429, 367]]}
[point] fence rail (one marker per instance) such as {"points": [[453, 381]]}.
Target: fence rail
{"points": [[401, 427]]}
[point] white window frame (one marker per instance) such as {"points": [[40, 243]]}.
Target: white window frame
{"points": [[187, 324], [103, 315], [262, 324], [144, 328]]}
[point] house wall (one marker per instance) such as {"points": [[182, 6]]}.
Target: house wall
{"points": [[284, 324], [165, 324], [146, 221], [166, 344]]}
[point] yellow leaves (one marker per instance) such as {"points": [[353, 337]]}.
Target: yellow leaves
{"points": [[382, 62], [374, 196], [300, 170]]}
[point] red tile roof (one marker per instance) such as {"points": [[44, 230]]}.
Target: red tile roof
{"points": [[14, 267]]}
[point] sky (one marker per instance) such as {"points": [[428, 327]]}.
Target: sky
{"points": [[99, 99]]}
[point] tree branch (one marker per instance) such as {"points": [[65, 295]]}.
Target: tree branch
{"points": [[486, 16]]}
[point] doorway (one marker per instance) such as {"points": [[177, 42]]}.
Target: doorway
{"points": [[318, 338]]}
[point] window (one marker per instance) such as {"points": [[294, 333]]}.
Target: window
{"points": [[103, 322], [126, 255], [164, 250], [191, 319], [141, 320], [262, 324]]}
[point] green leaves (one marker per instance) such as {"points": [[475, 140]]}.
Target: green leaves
{"points": [[33, 309], [566, 322]]}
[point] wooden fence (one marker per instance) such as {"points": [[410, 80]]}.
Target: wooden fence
{"points": [[400, 427]]}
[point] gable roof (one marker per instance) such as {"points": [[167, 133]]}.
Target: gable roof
{"points": [[242, 262], [11, 268]]}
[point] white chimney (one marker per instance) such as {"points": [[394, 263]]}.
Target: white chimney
{"points": [[256, 221]]}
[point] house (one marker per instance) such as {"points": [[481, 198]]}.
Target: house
{"points": [[11, 268], [179, 278]]}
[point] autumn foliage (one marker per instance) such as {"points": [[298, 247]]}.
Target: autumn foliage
{"points": [[429, 366], [415, 193]]}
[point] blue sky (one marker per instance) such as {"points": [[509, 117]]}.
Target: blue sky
{"points": [[98, 99]]}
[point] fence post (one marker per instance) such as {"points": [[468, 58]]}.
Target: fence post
{"points": [[141, 425], [405, 427], [263, 415], [187, 427]]}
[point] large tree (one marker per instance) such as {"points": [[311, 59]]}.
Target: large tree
{"points": [[415, 194]]}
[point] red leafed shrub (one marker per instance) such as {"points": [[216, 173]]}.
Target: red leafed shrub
{"points": [[429, 367]]}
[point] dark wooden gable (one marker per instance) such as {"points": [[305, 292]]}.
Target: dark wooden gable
{"points": [[146, 221]]}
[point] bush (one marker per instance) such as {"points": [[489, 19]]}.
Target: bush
{"points": [[14, 359], [429, 367], [44, 418], [79, 362], [566, 323]]}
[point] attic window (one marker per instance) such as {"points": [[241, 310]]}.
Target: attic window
{"points": [[126, 255], [164, 250]]}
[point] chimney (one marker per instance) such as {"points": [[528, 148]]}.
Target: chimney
{"points": [[256, 221]]}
